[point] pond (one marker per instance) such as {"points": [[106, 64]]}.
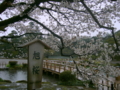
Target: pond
{"points": [[51, 82], [13, 75], [16, 75]]}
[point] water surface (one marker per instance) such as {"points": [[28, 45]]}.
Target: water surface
{"points": [[16, 75]]}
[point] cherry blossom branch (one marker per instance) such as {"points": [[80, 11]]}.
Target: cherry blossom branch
{"points": [[23, 35], [13, 45], [21, 3], [16, 18], [45, 27], [101, 26], [50, 9], [54, 34], [4, 39], [94, 17], [78, 71], [54, 18], [12, 20]]}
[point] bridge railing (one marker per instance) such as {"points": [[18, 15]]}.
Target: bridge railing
{"points": [[108, 85], [57, 66], [3, 65]]}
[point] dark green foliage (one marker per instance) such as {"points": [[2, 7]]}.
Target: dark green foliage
{"points": [[69, 79], [91, 84], [24, 65], [117, 57], [7, 81], [21, 81], [82, 83], [1, 80], [71, 83], [8, 46], [16, 66], [117, 65], [67, 51], [94, 57], [67, 76], [12, 63]]}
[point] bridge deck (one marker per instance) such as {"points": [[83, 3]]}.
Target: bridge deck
{"points": [[56, 67]]}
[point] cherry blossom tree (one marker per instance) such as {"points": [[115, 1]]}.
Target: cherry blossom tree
{"points": [[66, 22]]}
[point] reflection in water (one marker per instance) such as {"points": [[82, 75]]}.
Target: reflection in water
{"points": [[13, 75]]}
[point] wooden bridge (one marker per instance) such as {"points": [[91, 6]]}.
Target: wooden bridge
{"points": [[57, 67], [3, 66]]}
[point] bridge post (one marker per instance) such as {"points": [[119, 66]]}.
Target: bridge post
{"points": [[50, 65], [54, 66], [47, 64], [59, 68], [64, 67], [70, 68]]}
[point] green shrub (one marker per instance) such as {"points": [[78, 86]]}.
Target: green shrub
{"points": [[12, 63], [24, 65], [67, 76], [69, 79], [1, 80], [21, 81], [8, 65], [7, 81], [117, 57], [117, 64]]}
